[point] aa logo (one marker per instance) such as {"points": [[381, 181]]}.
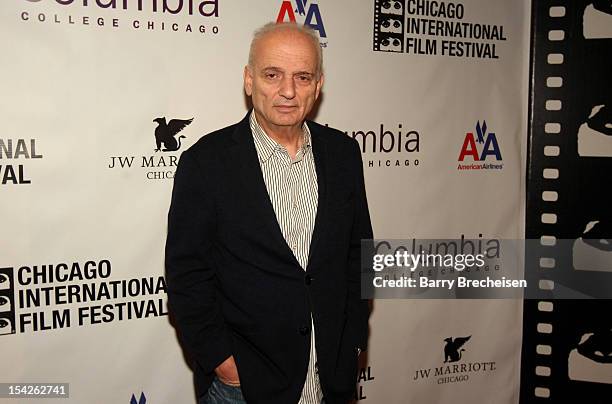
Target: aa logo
{"points": [[141, 400], [483, 146], [312, 15], [453, 350]]}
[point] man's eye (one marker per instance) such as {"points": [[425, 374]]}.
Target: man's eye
{"points": [[271, 75], [304, 78]]}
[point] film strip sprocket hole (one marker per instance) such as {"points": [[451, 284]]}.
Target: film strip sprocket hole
{"points": [[546, 150], [568, 211]]}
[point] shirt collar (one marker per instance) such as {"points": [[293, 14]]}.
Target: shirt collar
{"points": [[266, 146]]}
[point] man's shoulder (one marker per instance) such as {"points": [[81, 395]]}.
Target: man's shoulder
{"points": [[213, 142], [332, 136]]}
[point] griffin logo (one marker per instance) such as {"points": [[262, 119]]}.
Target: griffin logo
{"points": [[452, 353], [165, 133], [141, 400]]}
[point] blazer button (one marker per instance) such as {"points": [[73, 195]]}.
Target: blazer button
{"points": [[304, 330], [308, 279]]}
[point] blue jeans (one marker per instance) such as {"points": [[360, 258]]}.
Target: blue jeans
{"points": [[221, 393]]}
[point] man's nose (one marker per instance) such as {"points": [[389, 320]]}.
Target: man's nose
{"points": [[287, 87]]}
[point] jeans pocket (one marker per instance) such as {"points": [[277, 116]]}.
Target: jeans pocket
{"points": [[221, 393]]}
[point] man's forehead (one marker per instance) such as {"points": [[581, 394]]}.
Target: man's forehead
{"points": [[309, 69], [286, 49]]}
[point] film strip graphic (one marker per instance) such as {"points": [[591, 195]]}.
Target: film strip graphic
{"points": [[389, 20], [565, 357], [7, 302]]}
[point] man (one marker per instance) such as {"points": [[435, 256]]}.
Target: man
{"points": [[263, 248]]}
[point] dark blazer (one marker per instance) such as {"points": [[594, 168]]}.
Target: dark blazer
{"points": [[234, 286]]}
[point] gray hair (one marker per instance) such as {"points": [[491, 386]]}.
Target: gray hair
{"points": [[272, 27]]}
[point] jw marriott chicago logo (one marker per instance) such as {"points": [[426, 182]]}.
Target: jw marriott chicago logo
{"points": [[452, 369], [161, 163], [166, 131]]}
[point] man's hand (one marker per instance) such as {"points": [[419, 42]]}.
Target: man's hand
{"points": [[227, 372]]}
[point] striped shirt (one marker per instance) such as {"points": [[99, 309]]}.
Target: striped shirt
{"points": [[293, 191]]}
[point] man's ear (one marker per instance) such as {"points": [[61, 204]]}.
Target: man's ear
{"points": [[248, 81], [319, 86]]}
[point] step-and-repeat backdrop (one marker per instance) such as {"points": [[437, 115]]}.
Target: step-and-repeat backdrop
{"points": [[566, 343], [91, 95]]}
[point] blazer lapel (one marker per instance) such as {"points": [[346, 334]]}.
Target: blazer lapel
{"points": [[319, 149], [255, 191]]}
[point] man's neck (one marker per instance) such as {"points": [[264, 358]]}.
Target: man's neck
{"points": [[290, 137]]}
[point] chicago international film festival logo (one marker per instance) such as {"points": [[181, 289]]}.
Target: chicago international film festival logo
{"points": [[43, 297], [483, 150], [434, 28], [15, 158]]}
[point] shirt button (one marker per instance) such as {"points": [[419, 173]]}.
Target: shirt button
{"points": [[308, 279], [304, 330]]}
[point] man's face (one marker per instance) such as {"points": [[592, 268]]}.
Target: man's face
{"points": [[283, 80]]}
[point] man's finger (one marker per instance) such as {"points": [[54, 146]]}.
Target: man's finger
{"points": [[230, 382]]}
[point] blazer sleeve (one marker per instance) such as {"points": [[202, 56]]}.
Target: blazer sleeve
{"points": [[190, 275], [358, 309]]}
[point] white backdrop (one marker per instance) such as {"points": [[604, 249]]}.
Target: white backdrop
{"points": [[82, 98]]}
